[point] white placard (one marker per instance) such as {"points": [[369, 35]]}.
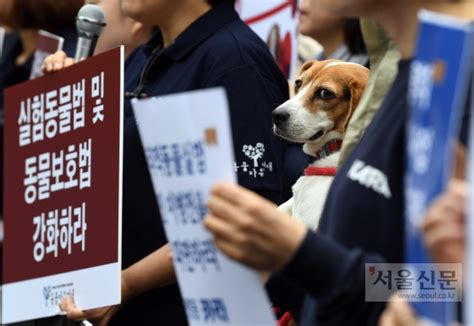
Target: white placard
{"points": [[2, 39], [188, 145], [469, 302]]}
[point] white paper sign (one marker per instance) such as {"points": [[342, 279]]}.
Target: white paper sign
{"points": [[188, 145], [276, 22], [2, 39], [469, 302]]}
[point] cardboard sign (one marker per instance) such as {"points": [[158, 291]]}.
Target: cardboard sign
{"points": [[276, 22], [62, 204], [188, 145], [438, 87], [48, 43]]}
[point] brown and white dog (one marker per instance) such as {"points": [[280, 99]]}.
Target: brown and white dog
{"points": [[326, 95]]}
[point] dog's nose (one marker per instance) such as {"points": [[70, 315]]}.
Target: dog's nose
{"points": [[280, 115]]}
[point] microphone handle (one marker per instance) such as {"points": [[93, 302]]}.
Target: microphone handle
{"points": [[85, 47]]}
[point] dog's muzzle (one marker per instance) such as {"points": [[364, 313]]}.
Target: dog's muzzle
{"points": [[280, 116]]}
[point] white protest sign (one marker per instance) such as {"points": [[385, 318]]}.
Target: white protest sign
{"points": [[2, 39], [188, 145], [469, 302]]}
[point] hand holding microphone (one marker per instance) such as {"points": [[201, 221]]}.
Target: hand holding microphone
{"points": [[90, 23]]}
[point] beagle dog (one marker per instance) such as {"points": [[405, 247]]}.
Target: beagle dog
{"points": [[326, 95]]}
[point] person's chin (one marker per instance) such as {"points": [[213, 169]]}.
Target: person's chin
{"points": [[302, 30], [128, 9]]}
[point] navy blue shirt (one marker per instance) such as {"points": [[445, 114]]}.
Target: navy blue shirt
{"points": [[218, 49]]}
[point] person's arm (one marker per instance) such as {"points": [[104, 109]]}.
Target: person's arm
{"points": [[154, 271]]}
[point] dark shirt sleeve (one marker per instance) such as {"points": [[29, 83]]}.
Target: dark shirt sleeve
{"points": [[335, 277], [258, 153], [285, 294]]}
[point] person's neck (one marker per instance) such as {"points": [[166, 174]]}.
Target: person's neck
{"points": [[29, 39], [401, 25], [331, 42], [140, 37], [179, 20]]}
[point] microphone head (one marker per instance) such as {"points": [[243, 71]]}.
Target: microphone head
{"points": [[90, 21]]}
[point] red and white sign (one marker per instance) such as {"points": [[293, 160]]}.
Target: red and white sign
{"points": [[62, 204], [276, 22]]}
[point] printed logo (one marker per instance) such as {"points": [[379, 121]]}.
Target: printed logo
{"points": [[46, 294], [211, 136], [254, 153], [417, 282], [370, 178], [256, 167], [53, 295]]}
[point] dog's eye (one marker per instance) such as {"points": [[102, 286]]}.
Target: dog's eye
{"points": [[325, 94], [298, 84]]}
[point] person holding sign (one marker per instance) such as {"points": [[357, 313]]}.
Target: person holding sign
{"points": [[201, 44], [363, 218]]}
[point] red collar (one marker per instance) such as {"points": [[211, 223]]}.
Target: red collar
{"points": [[329, 148], [325, 171]]}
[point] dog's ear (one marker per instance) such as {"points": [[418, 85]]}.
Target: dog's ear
{"points": [[357, 89], [307, 65]]}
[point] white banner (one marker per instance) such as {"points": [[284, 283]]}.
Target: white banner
{"points": [[188, 145]]}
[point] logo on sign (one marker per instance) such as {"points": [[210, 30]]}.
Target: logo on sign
{"points": [[53, 295]]}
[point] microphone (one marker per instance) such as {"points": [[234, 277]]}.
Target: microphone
{"points": [[90, 23]]}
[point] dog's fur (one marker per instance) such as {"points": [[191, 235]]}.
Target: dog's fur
{"points": [[326, 95]]}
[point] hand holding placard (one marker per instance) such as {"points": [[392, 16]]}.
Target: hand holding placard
{"points": [[249, 229]]}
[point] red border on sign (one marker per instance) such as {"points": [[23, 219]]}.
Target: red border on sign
{"points": [[267, 14]]}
